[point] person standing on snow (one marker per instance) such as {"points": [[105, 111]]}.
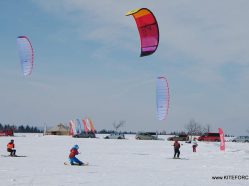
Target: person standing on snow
{"points": [[73, 152], [11, 148], [194, 145], [177, 146]]}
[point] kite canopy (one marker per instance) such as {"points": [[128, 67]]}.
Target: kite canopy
{"points": [[148, 30], [162, 97], [26, 54]]}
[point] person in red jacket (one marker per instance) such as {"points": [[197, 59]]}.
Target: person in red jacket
{"points": [[73, 152], [11, 148], [177, 146]]}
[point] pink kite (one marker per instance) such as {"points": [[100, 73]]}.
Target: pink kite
{"points": [[148, 30]]}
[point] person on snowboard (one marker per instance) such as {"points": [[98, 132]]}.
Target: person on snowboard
{"points": [[177, 146], [73, 152], [194, 145], [11, 148]]}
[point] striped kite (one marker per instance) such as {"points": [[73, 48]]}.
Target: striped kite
{"points": [[148, 30], [162, 97], [26, 54]]}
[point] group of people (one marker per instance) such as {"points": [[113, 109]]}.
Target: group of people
{"points": [[74, 151], [177, 146], [72, 156], [75, 161]]}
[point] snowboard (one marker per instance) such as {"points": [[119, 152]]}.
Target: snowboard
{"points": [[84, 164], [16, 156], [179, 158]]}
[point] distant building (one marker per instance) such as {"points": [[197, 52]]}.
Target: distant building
{"points": [[58, 130]]}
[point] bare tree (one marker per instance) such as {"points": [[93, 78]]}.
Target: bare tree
{"points": [[207, 128], [118, 125], [193, 128]]}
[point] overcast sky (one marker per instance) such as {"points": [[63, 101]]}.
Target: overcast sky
{"points": [[87, 64]]}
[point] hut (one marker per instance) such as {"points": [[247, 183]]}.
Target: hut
{"points": [[58, 130]]}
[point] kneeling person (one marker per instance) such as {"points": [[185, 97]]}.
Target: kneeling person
{"points": [[11, 148], [73, 152]]}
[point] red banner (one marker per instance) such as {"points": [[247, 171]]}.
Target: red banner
{"points": [[71, 128], [222, 139]]}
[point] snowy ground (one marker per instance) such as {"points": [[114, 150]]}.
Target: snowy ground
{"points": [[121, 163]]}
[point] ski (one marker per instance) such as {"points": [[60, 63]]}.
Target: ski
{"points": [[84, 164]]}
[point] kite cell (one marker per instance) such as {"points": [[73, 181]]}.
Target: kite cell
{"points": [[26, 54], [148, 30], [162, 97]]}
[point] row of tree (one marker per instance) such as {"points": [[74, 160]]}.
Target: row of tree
{"points": [[20, 129], [192, 128], [196, 129]]}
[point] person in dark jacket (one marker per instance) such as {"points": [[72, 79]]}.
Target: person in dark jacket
{"points": [[73, 152], [177, 146], [11, 148]]}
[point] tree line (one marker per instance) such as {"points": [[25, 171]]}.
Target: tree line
{"points": [[20, 129], [192, 128]]}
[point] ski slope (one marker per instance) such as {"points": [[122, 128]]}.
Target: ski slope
{"points": [[120, 162]]}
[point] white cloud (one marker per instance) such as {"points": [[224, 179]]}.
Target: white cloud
{"points": [[207, 32]]}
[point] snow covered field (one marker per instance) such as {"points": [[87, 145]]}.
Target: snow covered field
{"points": [[121, 162]]}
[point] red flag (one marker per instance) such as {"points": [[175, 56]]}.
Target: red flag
{"points": [[91, 125], [85, 126], [222, 139]]}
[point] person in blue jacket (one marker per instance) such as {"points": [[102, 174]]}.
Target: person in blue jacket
{"points": [[72, 156]]}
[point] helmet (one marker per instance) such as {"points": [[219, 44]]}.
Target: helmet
{"points": [[12, 140], [76, 147]]}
